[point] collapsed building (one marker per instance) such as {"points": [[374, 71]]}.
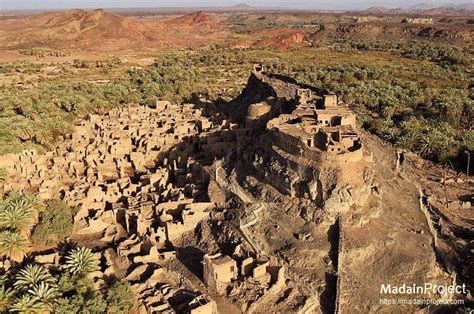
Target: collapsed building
{"points": [[300, 118], [317, 125], [136, 177], [305, 136]]}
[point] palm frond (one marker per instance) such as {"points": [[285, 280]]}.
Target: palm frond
{"points": [[17, 215], [14, 245], [34, 201], [27, 305], [6, 298], [3, 175], [19, 211], [81, 261], [31, 276], [45, 293], [3, 279]]}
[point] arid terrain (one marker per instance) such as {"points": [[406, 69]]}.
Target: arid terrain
{"points": [[236, 160]]}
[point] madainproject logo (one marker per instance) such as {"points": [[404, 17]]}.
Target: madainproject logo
{"points": [[426, 288], [412, 294]]}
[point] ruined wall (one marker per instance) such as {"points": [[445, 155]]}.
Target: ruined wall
{"points": [[254, 92]]}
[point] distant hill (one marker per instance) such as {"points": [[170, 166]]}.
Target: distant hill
{"points": [[448, 11], [383, 10], [395, 31], [102, 30], [199, 19], [242, 7], [423, 9], [73, 26]]}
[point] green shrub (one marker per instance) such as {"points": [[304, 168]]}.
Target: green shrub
{"points": [[55, 223], [80, 304], [43, 52], [120, 298]]}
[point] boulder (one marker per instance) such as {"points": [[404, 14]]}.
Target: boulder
{"points": [[47, 259]]}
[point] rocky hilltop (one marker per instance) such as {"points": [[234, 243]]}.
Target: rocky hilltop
{"points": [[393, 31], [275, 201]]}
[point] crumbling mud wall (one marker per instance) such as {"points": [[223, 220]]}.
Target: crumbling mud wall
{"points": [[255, 91], [261, 86], [324, 181]]}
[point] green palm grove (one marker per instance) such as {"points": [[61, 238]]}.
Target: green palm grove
{"points": [[33, 288], [37, 289]]}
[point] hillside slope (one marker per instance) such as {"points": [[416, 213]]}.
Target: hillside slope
{"points": [[101, 30], [446, 33]]}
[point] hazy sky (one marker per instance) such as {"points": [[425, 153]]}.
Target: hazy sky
{"points": [[300, 4]]}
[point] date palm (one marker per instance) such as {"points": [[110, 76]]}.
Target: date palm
{"points": [[429, 144], [17, 215], [14, 245], [45, 293], [27, 305], [34, 201], [14, 195], [6, 298], [20, 212], [32, 276], [409, 139], [81, 261], [4, 280]]}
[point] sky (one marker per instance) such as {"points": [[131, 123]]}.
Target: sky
{"points": [[298, 4]]}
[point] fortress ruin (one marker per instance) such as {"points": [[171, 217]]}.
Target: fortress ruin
{"points": [[204, 213]]}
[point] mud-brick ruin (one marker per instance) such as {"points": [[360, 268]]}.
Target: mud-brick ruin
{"points": [[260, 204], [133, 177]]}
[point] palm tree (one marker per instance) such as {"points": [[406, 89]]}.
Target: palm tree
{"points": [[34, 201], [409, 139], [31, 200], [426, 146], [19, 211], [3, 280], [431, 143], [14, 245], [6, 298], [27, 305], [17, 214], [81, 261], [45, 293], [31, 276]]}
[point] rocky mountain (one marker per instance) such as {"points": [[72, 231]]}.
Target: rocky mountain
{"points": [[422, 9], [446, 33], [102, 30], [198, 19]]}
